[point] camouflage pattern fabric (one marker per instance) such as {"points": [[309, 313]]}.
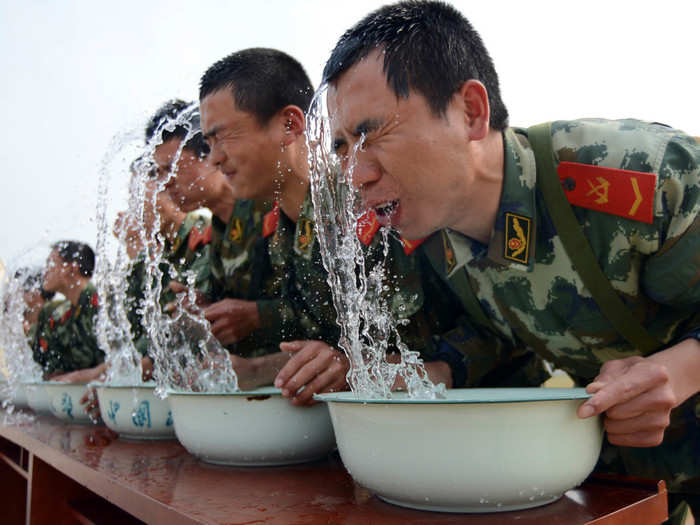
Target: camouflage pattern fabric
{"points": [[240, 269], [66, 339], [308, 310], [537, 299], [189, 252]]}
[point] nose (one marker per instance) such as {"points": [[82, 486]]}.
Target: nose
{"points": [[216, 155], [365, 171]]}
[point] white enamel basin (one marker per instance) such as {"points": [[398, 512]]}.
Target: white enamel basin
{"points": [[38, 398], [478, 450], [65, 401], [135, 412], [254, 428]]}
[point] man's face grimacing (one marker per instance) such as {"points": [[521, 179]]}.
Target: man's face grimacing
{"points": [[245, 151], [413, 166]]}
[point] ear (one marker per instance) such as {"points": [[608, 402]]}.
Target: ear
{"points": [[293, 122], [476, 109]]}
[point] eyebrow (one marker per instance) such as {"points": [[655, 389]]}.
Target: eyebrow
{"points": [[367, 126], [210, 133], [363, 128]]}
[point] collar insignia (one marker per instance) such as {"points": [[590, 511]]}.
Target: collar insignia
{"points": [[306, 234], [517, 238], [236, 233], [449, 253]]}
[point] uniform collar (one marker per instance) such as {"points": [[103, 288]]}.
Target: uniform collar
{"points": [[512, 242]]}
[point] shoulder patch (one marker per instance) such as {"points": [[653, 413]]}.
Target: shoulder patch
{"points": [[52, 323], [270, 220], [625, 193], [517, 238], [43, 344], [367, 227], [94, 301], [410, 246]]}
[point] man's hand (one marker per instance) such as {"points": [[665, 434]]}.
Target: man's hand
{"points": [[200, 299], [315, 366], [232, 319], [637, 394], [82, 376]]}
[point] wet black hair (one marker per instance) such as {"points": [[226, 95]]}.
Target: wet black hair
{"points": [[32, 281], [429, 47], [182, 111], [77, 252], [263, 81]]}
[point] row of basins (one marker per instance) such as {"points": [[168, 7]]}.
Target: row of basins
{"points": [[476, 450]]}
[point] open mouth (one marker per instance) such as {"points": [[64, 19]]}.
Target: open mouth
{"points": [[386, 209], [387, 212]]}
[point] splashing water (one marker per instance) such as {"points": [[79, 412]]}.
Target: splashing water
{"points": [[19, 363], [187, 357], [368, 327]]}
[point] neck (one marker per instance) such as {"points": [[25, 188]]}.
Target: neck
{"points": [[73, 292], [222, 205], [483, 187], [294, 187]]}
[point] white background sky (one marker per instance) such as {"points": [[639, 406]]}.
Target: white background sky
{"points": [[75, 74]]}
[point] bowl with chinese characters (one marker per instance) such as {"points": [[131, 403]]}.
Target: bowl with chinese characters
{"points": [[38, 398], [65, 401], [476, 450], [135, 412], [250, 428]]}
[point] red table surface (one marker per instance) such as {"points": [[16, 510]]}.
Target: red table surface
{"points": [[160, 482]]}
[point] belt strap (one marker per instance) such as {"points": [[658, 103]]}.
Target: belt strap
{"points": [[579, 249]]}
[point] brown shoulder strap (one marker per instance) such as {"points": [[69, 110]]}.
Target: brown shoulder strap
{"points": [[579, 249]]}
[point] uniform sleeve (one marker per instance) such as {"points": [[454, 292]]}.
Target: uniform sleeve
{"points": [[671, 276], [488, 361], [86, 353]]}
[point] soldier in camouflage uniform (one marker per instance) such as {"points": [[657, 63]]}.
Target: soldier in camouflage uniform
{"points": [[65, 340], [261, 146], [438, 156], [228, 257], [35, 298]]}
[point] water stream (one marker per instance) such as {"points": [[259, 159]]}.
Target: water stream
{"points": [[360, 294]]}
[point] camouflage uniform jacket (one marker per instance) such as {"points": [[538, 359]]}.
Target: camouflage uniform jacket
{"points": [[307, 307], [241, 270], [40, 336], [189, 252], [538, 300], [67, 340]]}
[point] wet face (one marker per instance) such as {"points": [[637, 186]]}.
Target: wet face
{"points": [[245, 151], [194, 181], [57, 272], [412, 164]]}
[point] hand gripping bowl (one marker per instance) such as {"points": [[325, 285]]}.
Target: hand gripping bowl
{"points": [[37, 397], [478, 450], [250, 428], [135, 412], [65, 401]]}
